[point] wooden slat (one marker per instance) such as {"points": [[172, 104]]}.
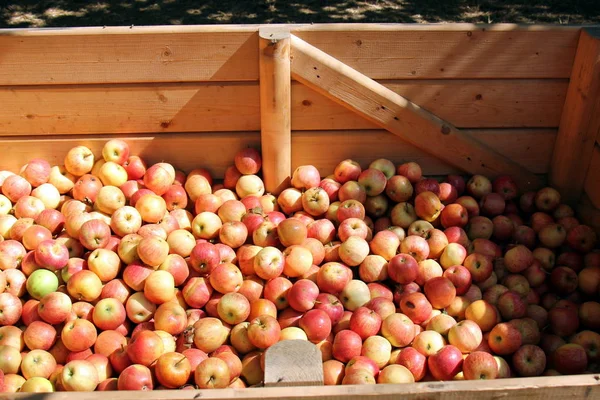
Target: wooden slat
{"points": [[540, 388], [200, 53], [580, 121], [531, 148], [275, 106], [592, 180], [463, 103], [394, 113], [198, 107], [462, 51], [127, 55], [214, 151], [129, 108]]}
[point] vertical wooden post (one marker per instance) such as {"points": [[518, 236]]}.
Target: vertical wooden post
{"points": [[580, 121], [275, 105]]}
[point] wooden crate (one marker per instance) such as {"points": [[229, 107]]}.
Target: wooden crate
{"points": [[458, 98]]}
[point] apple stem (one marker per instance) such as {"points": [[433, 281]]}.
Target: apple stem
{"points": [[178, 362]]}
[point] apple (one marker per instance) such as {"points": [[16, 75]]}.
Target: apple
{"points": [[37, 363], [427, 206], [460, 278], [41, 282], [51, 219], [346, 345], [445, 363], [503, 229], [570, 359], [480, 365], [466, 336], [36, 171], [39, 335], [209, 334], [563, 321], [529, 360], [564, 280], [135, 377], [478, 186], [173, 370], [373, 180], [440, 291], [589, 314], [54, 307], [398, 329], [448, 193], [416, 247], [109, 314], [78, 335], [353, 227], [51, 255], [83, 285], [492, 204], [454, 215], [269, 263], [582, 238], [145, 348], [504, 339], [403, 268], [233, 308]]}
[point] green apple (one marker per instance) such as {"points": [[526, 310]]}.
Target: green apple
{"points": [[41, 282]]}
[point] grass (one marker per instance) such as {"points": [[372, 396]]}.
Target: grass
{"points": [[65, 13]]}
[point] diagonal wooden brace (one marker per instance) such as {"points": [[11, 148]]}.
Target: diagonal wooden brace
{"points": [[373, 101]]}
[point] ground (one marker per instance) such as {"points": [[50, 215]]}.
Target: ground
{"points": [[65, 13]]}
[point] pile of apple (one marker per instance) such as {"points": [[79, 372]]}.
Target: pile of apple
{"points": [[115, 275]]}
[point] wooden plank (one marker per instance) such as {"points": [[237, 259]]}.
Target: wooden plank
{"points": [[293, 363], [393, 112], [542, 388], [275, 106], [214, 151], [228, 52], [531, 148], [463, 103], [129, 108], [459, 51], [122, 55], [580, 121], [227, 106], [592, 180]]}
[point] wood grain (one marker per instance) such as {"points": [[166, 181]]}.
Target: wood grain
{"points": [[124, 56], [531, 148], [580, 120], [478, 103], [592, 180], [394, 113], [214, 151], [541, 388], [228, 106], [462, 52], [293, 363], [275, 107], [129, 108], [223, 53]]}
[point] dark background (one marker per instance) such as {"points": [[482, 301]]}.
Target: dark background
{"points": [[64, 13]]}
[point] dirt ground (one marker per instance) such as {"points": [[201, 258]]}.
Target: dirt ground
{"points": [[65, 13]]}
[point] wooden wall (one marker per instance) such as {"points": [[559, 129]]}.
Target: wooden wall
{"points": [[191, 94]]}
